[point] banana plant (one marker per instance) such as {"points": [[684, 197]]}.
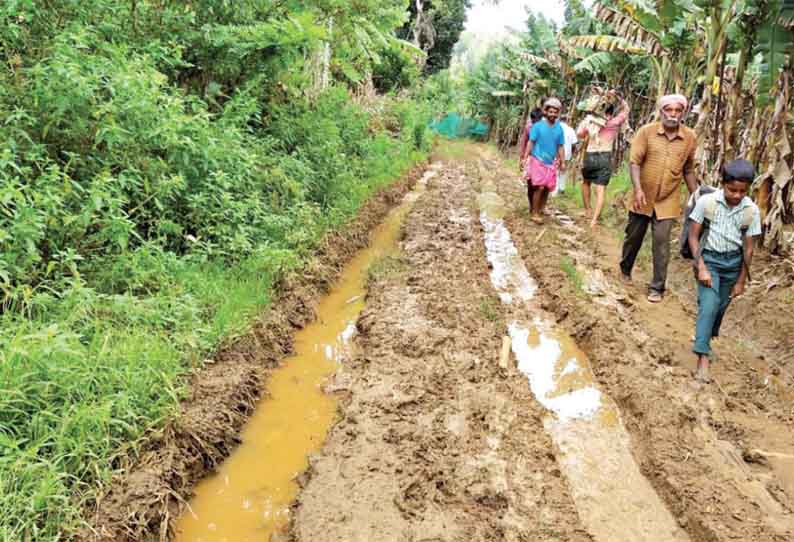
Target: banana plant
{"points": [[664, 32], [775, 41]]}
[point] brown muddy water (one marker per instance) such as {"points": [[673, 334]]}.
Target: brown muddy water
{"points": [[248, 498]]}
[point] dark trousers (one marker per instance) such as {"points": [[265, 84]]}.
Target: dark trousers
{"points": [[635, 233], [713, 301]]}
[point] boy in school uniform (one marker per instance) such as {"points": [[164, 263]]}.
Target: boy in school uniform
{"points": [[728, 220]]}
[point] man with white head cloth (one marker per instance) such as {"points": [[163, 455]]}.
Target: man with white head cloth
{"points": [[662, 156], [545, 152]]}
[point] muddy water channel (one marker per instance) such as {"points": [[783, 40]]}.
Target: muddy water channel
{"points": [[614, 500], [248, 498]]}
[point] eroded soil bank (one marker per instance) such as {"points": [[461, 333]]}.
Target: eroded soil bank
{"points": [[143, 503]]}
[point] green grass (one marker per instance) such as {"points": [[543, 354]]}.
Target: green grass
{"points": [[453, 149], [85, 374], [569, 267], [613, 217], [489, 308], [386, 267], [619, 187]]}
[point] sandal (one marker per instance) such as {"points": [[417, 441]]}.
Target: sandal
{"points": [[654, 297]]}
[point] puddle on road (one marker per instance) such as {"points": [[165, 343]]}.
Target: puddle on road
{"points": [[248, 498], [615, 502]]}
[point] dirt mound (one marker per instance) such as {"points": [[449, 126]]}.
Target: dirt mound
{"points": [[437, 440], [143, 502]]}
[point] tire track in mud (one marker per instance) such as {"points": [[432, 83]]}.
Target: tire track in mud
{"points": [[437, 441], [681, 435], [616, 503]]}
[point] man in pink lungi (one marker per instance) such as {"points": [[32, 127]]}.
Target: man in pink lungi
{"points": [[546, 155]]}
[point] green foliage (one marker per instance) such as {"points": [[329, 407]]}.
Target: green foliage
{"points": [[775, 41], [512, 77], [396, 70]]}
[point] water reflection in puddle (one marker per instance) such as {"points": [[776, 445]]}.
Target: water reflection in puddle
{"points": [[615, 502], [248, 498]]}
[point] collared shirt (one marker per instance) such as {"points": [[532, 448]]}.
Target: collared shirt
{"points": [[663, 163], [725, 234]]}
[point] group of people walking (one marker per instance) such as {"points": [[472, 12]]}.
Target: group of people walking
{"points": [[546, 148], [720, 225]]}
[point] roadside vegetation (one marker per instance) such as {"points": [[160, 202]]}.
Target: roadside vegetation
{"points": [[163, 165]]}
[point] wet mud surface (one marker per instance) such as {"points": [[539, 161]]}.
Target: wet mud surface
{"points": [[437, 440], [144, 502]]}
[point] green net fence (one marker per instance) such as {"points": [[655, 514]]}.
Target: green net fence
{"points": [[454, 126]]}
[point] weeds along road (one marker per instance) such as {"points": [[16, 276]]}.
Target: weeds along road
{"points": [[443, 437]]}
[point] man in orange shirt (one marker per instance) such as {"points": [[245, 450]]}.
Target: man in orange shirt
{"points": [[662, 156]]}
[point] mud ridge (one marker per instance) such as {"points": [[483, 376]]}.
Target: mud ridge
{"points": [[143, 502]]}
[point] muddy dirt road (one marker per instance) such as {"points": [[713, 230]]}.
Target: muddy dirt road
{"points": [[443, 437], [502, 384]]}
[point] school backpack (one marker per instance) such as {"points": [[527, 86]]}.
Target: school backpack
{"points": [[710, 208]]}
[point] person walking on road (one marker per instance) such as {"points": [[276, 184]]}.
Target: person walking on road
{"points": [[662, 156], [569, 135], [543, 156], [721, 231], [597, 166], [534, 116]]}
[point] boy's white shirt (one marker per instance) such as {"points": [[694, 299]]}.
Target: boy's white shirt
{"points": [[715, 239]]}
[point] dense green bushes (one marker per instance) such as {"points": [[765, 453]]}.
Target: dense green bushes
{"points": [[162, 164]]}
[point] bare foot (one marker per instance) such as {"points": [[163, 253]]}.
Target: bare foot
{"points": [[537, 219], [594, 225]]}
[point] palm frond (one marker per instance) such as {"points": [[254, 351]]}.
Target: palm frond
{"points": [[594, 63], [628, 28], [533, 59], [606, 43]]}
